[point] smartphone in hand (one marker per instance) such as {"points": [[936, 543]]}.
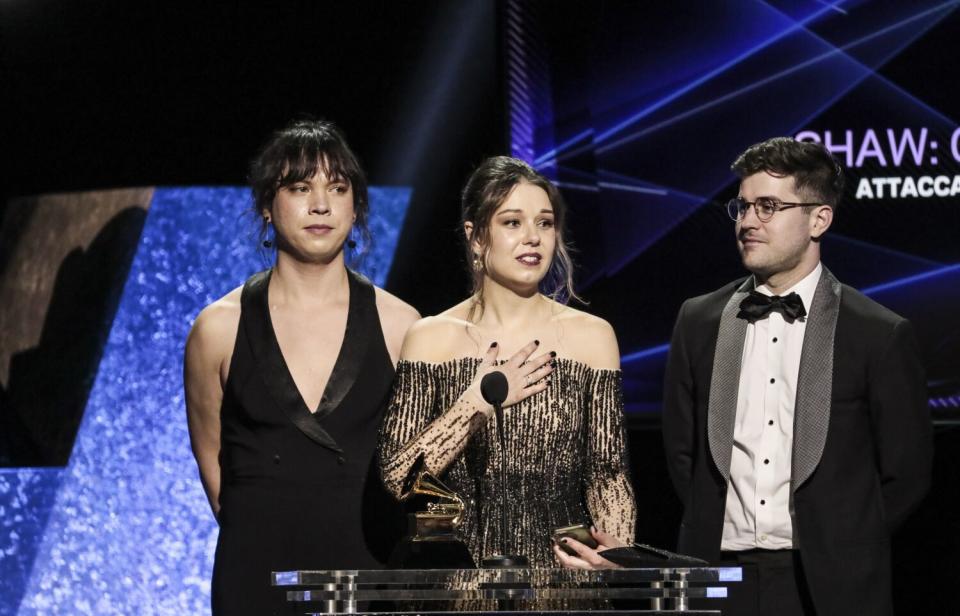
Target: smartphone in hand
{"points": [[580, 532]]}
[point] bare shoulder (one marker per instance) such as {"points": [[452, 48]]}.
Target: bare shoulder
{"points": [[394, 310], [215, 329], [396, 317], [439, 338], [588, 339]]}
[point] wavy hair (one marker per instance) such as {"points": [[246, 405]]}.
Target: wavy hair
{"points": [[816, 173], [486, 190]]}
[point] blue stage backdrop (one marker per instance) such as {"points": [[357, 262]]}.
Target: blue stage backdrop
{"points": [[125, 528], [637, 111]]}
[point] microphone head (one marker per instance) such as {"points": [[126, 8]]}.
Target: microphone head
{"points": [[494, 388]]}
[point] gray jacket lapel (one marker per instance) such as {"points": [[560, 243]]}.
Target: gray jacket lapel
{"points": [[725, 380], [811, 415]]}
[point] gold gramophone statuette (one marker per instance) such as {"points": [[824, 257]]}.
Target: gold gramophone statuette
{"points": [[439, 522]]}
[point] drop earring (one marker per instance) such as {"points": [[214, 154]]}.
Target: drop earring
{"points": [[267, 243], [352, 243]]}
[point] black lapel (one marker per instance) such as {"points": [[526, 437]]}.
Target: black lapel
{"points": [[811, 411], [362, 323], [725, 380], [273, 369]]}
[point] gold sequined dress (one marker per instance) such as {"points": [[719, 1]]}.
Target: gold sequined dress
{"points": [[565, 449]]}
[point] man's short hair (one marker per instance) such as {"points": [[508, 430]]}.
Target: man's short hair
{"points": [[816, 173]]}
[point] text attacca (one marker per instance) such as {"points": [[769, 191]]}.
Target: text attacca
{"points": [[925, 186]]}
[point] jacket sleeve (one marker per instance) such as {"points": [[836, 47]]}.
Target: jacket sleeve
{"points": [[901, 424], [679, 406]]}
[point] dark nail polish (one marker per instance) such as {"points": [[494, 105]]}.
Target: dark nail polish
{"points": [[536, 342], [553, 353], [493, 344], [563, 541]]}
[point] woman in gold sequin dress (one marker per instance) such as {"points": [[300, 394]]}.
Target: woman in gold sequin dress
{"points": [[565, 444]]}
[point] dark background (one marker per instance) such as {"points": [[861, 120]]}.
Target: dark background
{"points": [[115, 94]]}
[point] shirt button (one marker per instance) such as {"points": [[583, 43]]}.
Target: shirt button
{"points": [[773, 381], [770, 422], [763, 537], [341, 460], [763, 502], [323, 399], [774, 338], [276, 459]]}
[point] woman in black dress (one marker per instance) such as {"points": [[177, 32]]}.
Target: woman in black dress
{"points": [[286, 379]]}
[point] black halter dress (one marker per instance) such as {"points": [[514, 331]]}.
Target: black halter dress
{"points": [[299, 489]]}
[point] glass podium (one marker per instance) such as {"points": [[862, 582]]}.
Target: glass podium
{"points": [[500, 591]]}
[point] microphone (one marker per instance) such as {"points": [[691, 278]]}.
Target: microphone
{"points": [[494, 389]]}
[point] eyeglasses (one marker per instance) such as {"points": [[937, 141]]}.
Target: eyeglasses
{"points": [[765, 207]]}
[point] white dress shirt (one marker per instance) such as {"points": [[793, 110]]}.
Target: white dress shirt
{"points": [[758, 510]]}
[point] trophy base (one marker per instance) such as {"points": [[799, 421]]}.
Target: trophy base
{"points": [[425, 526], [506, 561], [431, 553], [450, 537]]}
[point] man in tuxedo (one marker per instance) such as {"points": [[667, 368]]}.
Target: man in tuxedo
{"points": [[795, 417]]}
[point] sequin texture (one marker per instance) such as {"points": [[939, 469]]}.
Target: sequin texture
{"points": [[565, 450]]}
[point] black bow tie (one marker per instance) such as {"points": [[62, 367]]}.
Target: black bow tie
{"points": [[758, 306]]}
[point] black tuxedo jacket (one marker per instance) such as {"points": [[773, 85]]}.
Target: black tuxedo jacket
{"points": [[862, 436]]}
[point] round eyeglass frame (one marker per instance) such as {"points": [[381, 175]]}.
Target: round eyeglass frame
{"points": [[737, 207]]}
